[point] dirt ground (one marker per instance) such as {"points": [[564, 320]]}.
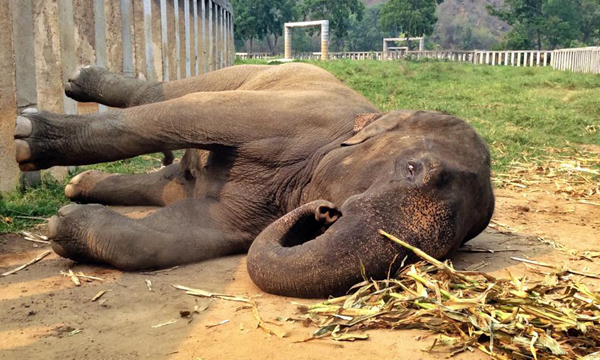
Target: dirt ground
{"points": [[43, 315]]}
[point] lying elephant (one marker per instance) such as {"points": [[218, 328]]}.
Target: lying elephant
{"points": [[286, 163]]}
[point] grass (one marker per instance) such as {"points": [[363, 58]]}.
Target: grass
{"points": [[24, 209], [520, 112]]}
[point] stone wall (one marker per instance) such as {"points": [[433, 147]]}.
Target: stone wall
{"points": [[43, 41]]}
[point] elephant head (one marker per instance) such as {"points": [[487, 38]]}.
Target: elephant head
{"points": [[422, 176]]}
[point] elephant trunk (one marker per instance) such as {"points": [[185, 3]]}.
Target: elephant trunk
{"points": [[311, 253]]}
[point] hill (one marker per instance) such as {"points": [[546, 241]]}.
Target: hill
{"points": [[465, 24]]}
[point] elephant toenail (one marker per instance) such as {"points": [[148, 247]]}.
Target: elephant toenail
{"points": [[59, 250], [52, 227], [31, 111], [23, 151], [68, 87], [66, 210], [75, 75], [76, 179], [23, 127], [27, 167], [70, 191]]}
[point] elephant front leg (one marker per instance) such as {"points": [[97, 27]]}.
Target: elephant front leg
{"points": [[182, 233], [209, 121], [44, 139]]}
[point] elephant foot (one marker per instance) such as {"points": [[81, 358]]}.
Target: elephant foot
{"points": [[96, 84], [80, 188], [74, 233], [44, 139], [86, 83]]}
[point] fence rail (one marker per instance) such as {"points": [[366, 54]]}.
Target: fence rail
{"points": [[245, 56], [42, 43], [584, 60]]}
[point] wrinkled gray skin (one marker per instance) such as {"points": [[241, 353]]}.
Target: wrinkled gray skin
{"points": [[284, 162]]}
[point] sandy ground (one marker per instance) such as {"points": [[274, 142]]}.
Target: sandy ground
{"points": [[40, 309]]}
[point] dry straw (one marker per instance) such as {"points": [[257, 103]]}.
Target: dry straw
{"points": [[506, 318]]}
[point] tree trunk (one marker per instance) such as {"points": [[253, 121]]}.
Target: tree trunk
{"points": [[269, 44]]}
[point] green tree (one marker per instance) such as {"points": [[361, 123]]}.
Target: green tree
{"points": [[272, 15], [338, 12], [548, 23], [247, 26], [590, 22], [262, 19], [413, 18], [366, 35]]}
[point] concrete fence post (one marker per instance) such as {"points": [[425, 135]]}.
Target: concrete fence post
{"points": [[8, 102], [100, 39], [325, 40], [164, 31], [26, 82], [288, 43]]}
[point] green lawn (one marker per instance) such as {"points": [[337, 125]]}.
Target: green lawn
{"points": [[520, 112]]}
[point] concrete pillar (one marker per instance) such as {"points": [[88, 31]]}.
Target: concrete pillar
{"points": [[325, 40], [212, 34], [211, 41], [223, 39], [48, 56], [114, 41], [218, 38], [85, 34], [148, 43], [164, 37], [232, 36], [177, 38], [100, 39], [8, 102], [187, 37], [156, 43], [127, 38], [181, 14], [26, 82], [288, 43], [139, 39], [204, 31], [422, 43], [196, 39]]}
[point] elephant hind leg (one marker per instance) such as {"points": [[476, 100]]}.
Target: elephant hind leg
{"points": [[184, 232], [160, 188]]}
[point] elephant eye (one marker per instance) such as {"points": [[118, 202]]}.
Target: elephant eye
{"points": [[408, 169]]}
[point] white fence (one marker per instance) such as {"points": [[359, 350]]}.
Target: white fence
{"points": [[245, 56], [583, 60]]}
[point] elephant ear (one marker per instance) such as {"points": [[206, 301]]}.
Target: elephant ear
{"points": [[378, 124]]}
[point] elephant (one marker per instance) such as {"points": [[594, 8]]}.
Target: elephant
{"points": [[283, 162]]}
